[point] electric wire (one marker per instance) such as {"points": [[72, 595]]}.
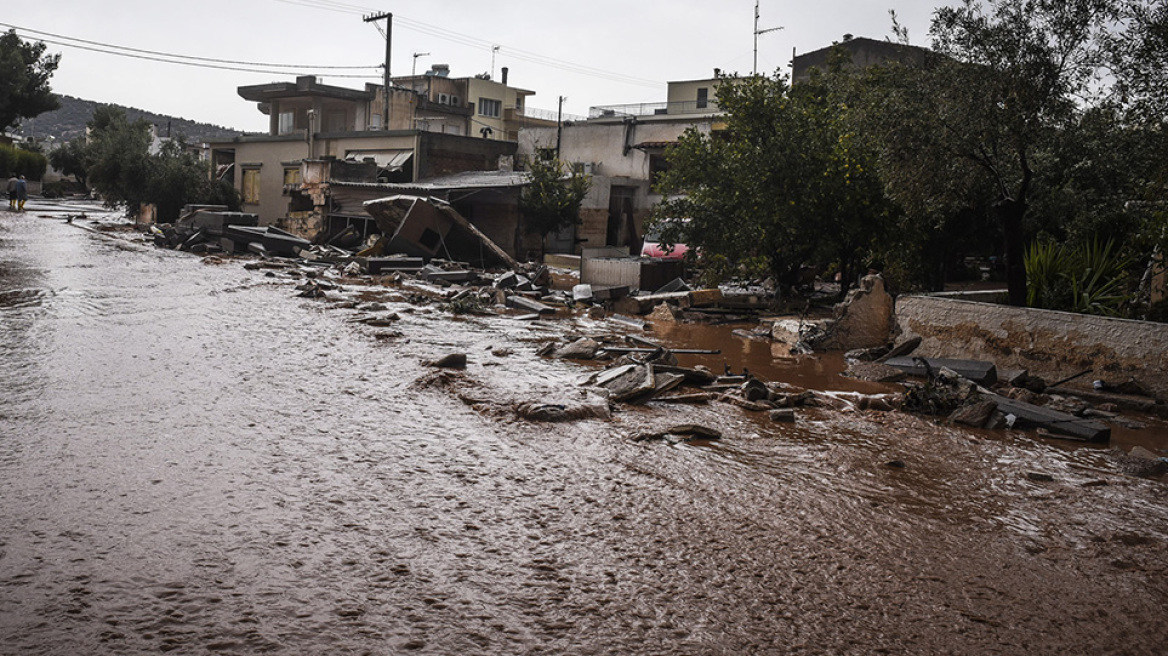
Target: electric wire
{"points": [[475, 42], [177, 56], [195, 64]]}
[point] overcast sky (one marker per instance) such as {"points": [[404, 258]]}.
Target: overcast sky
{"points": [[602, 52]]}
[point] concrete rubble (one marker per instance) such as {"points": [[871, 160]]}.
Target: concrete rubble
{"points": [[435, 257]]}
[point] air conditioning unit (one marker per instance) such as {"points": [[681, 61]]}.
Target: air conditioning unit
{"points": [[454, 101], [587, 168], [443, 99]]}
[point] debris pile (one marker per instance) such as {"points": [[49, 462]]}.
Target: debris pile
{"points": [[433, 256]]}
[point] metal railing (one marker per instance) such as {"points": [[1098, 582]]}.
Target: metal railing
{"points": [[545, 114], [655, 109]]}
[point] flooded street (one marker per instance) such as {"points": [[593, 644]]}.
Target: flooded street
{"points": [[194, 460]]}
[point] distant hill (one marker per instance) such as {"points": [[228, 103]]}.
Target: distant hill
{"points": [[69, 122]]}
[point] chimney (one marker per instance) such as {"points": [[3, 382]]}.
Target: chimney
{"points": [[505, 71]]}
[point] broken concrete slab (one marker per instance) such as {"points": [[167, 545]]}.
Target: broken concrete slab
{"points": [[696, 430], [584, 348], [555, 413], [976, 414], [700, 377], [433, 273], [863, 320], [982, 373], [904, 348], [378, 265], [1028, 415], [632, 384], [451, 361], [523, 303], [273, 240]]}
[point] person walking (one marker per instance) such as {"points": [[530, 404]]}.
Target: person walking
{"points": [[21, 193], [12, 181]]}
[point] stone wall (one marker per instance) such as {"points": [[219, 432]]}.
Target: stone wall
{"points": [[1050, 344]]}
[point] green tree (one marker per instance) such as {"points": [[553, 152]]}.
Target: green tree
{"points": [[1012, 79], [117, 157], [120, 168], [25, 70], [552, 201], [789, 182], [176, 178], [69, 159]]}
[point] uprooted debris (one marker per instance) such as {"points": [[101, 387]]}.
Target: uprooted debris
{"points": [[681, 433], [549, 410], [947, 393]]}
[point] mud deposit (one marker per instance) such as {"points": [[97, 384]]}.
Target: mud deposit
{"points": [[193, 460]]}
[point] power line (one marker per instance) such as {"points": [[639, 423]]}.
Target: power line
{"points": [[176, 56], [476, 42], [191, 63]]}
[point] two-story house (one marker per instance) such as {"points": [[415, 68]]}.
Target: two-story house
{"points": [[435, 129], [622, 148]]}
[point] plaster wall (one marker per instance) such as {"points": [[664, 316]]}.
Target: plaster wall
{"points": [[269, 157], [1054, 345]]}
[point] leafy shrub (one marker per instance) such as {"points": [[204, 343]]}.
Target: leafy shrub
{"points": [[1089, 279], [22, 162]]}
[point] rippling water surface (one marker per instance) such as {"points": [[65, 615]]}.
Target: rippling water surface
{"points": [[194, 460]]}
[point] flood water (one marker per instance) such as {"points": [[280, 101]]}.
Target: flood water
{"points": [[194, 460]]}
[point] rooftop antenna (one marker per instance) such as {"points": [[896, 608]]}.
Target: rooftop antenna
{"points": [[414, 70], [758, 32], [494, 49]]}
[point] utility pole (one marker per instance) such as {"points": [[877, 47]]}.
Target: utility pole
{"points": [[756, 33], [559, 126], [388, 43], [414, 70]]}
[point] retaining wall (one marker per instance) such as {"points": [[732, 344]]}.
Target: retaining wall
{"points": [[1050, 344]]}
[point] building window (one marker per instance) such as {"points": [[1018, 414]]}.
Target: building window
{"points": [[703, 97], [291, 175], [658, 166], [287, 122], [335, 121], [491, 108], [251, 186]]}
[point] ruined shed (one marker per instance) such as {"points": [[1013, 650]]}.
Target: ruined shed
{"points": [[487, 199]]}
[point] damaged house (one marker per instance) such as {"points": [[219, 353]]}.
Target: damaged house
{"points": [[324, 142], [622, 147]]}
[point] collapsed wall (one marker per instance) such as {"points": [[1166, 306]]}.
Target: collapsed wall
{"points": [[1047, 343]]}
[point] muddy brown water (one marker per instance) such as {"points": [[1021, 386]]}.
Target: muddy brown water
{"points": [[193, 460]]}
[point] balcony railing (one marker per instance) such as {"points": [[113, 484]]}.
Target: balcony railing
{"points": [[543, 114], [655, 109]]}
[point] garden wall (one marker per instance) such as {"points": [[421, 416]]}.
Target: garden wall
{"points": [[1054, 345]]}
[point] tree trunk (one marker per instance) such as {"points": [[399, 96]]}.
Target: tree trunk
{"points": [[1010, 212]]}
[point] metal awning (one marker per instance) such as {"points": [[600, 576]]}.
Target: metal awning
{"points": [[389, 160]]}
